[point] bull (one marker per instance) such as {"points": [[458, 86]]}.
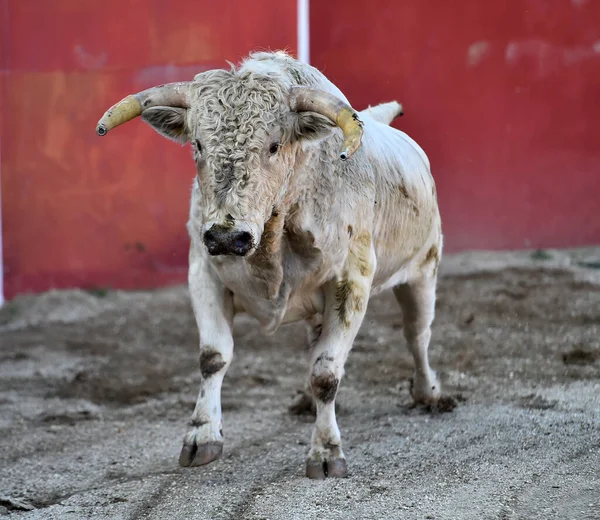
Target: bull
{"points": [[301, 209]]}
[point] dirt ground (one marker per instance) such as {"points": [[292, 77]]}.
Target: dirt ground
{"points": [[96, 389]]}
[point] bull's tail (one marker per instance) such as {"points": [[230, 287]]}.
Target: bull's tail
{"points": [[385, 112]]}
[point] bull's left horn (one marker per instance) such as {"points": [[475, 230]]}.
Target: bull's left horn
{"points": [[304, 99], [169, 95]]}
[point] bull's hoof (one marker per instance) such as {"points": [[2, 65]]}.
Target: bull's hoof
{"points": [[304, 405], [445, 404], [427, 393], [337, 468], [321, 469], [315, 470], [200, 454]]}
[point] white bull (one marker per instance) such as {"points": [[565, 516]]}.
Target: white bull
{"points": [[285, 227]]}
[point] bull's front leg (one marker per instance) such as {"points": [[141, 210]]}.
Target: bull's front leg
{"points": [[346, 301], [213, 309]]}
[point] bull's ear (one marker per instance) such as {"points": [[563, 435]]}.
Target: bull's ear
{"points": [[169, 122], [311, 126]]}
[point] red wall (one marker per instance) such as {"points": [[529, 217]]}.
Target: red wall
{"points": [[503, 96], [83, 211]]}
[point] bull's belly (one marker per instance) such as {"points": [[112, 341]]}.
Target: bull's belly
{"points": [[271, 314], [302, 305]]}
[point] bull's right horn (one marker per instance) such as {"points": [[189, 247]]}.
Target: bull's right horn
{"points": [[169, 95], [303, 99]]}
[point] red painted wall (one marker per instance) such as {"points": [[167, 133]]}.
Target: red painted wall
{"points": [[503, 96], [83, 211]]}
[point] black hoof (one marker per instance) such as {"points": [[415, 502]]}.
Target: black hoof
{"points": [[199, 455], [320, 470], [337, 468], [304, 405], [315, 470], [444, 404]]}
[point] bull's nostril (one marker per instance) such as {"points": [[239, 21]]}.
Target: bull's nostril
{"points": [[210, 241], [243, 243], [209, 236], [242, 240]]}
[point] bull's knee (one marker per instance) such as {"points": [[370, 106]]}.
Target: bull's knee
{"points": [[324, 384], [211, 362]]}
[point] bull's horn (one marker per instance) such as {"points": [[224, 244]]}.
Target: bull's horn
{"points": [[304, 99], [169, 95]]}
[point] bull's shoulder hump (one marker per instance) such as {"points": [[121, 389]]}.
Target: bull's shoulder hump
{"points": [[290, 71]]}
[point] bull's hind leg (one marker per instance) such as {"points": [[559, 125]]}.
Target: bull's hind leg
{"points": [[417, 299], [213, 309], [305, 402]]}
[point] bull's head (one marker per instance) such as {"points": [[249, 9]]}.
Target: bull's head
{"points": [[245, 131]]}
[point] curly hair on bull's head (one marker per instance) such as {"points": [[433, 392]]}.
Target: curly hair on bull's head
{"points": [[235, 119]]}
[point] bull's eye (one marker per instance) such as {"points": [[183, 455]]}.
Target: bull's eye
{"points": [[273, 148]]}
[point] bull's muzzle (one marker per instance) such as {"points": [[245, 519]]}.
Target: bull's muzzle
{"points": [[220, 240]]}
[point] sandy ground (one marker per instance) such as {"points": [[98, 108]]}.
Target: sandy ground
{"points": [[96, 389]]}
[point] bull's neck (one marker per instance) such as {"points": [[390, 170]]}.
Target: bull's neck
{"points": [[301, 182]]}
